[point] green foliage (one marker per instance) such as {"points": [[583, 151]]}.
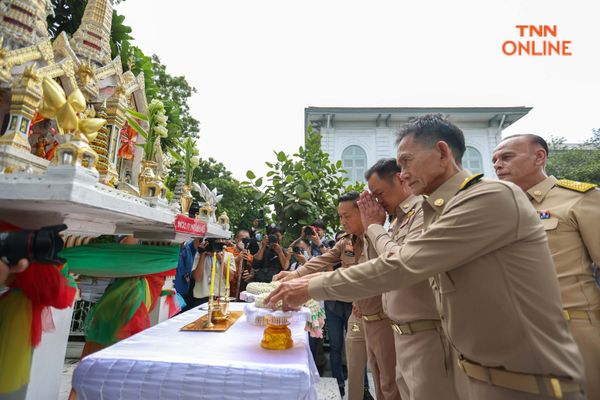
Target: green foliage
{"points": [[67, 16], [189, 159], [156, 127], [579, 164], [304, 187], [241, 203], [142, 63]]}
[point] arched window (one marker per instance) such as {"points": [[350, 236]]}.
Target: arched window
{"points": [[354, 161], [472, 160]]}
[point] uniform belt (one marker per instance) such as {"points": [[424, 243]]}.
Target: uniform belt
{"points": [[375, 317], [535, 384], [416, 326], [580, 314]]}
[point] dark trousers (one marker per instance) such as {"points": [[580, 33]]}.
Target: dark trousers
{"points": [[337, 314]]}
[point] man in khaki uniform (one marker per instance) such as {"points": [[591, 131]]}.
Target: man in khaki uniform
{"points": [[494, 284], [378, 334], [356, 358], [348, 251], [570, 214], [423, 357]]}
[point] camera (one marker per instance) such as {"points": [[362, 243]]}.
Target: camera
{"points": [[272, 239], [329, 243], [214, 246], [308, 232], [41, 245], [297, 249], [251, 245]]}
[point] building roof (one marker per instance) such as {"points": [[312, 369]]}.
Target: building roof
{"points": [[499, 117]]}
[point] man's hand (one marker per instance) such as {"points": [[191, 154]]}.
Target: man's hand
{"points": [[300, 259], [247, 276], [6, 271], [242, 256], [356, 311], [371, 212], [277, 248], [292, 294], [281, 276]]}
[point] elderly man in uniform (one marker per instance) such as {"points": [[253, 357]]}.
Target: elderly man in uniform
{"points": [[378, 334], [423, 365], [570, 214], [493, 275]]}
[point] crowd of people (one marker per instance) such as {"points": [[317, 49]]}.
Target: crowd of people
{"points": [[449, 285]]}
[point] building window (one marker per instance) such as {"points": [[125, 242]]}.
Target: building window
{"points": [[472, 160], [354, 161]]}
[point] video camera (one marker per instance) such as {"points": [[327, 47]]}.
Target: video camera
{"points": [[41, 245]]}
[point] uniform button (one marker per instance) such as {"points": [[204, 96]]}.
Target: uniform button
{"points": [[439, 202], [537, 193]]}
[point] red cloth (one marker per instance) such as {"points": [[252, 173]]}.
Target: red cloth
{"points": [[44, 286]]}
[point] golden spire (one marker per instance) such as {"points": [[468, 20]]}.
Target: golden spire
{"points": [[23, 22], [92, 39]]}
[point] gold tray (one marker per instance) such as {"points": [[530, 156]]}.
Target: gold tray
{"points": [[219, 326]]}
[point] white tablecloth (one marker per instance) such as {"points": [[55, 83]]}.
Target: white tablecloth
{"points": [[163, 362]]}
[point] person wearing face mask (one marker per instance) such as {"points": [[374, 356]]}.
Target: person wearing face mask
{"points": [[298, 254]]}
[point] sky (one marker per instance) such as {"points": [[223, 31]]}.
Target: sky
{"points": [[257, 64]]}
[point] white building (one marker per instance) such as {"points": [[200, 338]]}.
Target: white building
{"points": [[361, 136]]}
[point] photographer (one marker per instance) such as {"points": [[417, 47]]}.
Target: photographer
{"points": [[298, 253], [199, 289], [271, 257], [242, 251], [315, 234]]}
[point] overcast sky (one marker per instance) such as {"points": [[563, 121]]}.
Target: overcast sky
{"points": [[258, 64]]}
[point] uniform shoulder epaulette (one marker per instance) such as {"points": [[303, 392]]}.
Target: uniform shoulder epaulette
{"points": [[471, 180], [581, 187]]}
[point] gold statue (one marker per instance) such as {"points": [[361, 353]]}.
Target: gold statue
{"points": [[72, 118]]}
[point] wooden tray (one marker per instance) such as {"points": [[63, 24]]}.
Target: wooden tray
{"points": [[219, 326]]}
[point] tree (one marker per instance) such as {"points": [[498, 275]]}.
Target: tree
{"points": [[241, 203], [303, 187], [579, 164]]}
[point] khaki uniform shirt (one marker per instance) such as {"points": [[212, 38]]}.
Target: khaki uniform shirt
{"points": [[347, 251], [495, 285], [414, 302], [572, 222]]}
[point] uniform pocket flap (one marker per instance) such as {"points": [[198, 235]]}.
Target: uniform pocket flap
{"points": [[550, 223]]}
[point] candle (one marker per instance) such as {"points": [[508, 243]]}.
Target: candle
{"points": [[227, 279], [212, 276], [220, 279]]}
